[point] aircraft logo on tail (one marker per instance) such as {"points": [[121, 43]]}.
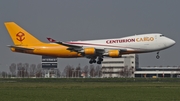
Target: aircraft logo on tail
{"points": [[20, 36], [51, 40]]}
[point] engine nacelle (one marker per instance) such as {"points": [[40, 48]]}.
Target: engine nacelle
{"points": [[89, 51], [114, 53]]}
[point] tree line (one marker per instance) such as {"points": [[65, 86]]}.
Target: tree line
{"points": [[36, 70]]}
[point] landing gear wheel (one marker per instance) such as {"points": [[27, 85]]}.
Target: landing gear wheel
{"points": [[99, 62], [157, 57], [94, 61], [100, 59], [90, 62]]}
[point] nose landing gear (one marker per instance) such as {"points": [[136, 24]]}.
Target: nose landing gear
{"points": [[157, 56]]}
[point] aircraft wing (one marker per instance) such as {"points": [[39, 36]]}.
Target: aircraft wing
{"points": [[77, 48], [80, 49], [20, 48], [70, 46]]}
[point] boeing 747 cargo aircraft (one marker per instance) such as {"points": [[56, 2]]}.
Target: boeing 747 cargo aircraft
{"points": [[95, 50]]}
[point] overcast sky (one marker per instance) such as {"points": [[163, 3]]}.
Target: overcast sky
{"points": [[70, 20]]}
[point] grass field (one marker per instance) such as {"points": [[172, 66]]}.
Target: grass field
{"points": [[90, 89]]}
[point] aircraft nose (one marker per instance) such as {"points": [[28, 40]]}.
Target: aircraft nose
{"points": [[170, 42]]}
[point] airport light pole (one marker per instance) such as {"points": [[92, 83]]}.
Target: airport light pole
{"points": [[0, 72]]}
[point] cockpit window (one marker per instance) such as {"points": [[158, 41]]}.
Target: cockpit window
{"points": [[161, 35]]}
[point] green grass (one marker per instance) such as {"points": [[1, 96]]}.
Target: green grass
{"points": [[90, 89]]}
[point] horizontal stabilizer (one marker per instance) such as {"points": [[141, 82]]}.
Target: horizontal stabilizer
{"points": [[19, 47]]}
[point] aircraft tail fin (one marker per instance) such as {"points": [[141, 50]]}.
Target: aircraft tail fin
{"points": [[20, 36]]}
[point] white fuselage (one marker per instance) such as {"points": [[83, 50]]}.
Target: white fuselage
{"points": [[137, 43]]}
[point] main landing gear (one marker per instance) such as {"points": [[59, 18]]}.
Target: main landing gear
{"points": [[99, 60], [92, 61], [157, 56]]}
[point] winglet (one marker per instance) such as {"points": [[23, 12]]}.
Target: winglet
{"points": [[51, 40]]}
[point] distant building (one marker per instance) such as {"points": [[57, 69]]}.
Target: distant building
{"points": [[158, 71], [120, 67], [128, 66]]}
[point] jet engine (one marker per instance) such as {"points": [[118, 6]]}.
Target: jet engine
{"points": [[89, 51], [114, 53]]}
